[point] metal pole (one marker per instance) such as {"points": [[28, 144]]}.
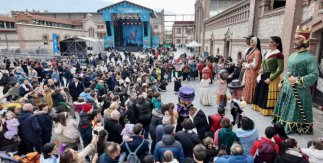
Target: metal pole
{"points": [[5, 34]]}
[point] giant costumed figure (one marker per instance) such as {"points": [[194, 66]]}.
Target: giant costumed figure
{"points": [[186, 97], [294, 106]]}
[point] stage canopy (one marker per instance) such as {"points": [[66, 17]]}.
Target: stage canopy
{"points": [[73, 46], [193, 44]]}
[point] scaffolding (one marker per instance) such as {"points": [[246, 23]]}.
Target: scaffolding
{"points": [[168, 22]]}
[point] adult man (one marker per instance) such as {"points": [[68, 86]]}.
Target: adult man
{"points": [[113, 126], [236, 155], [76, 88], [199, 120], [111, 154], [29, 129], [294, 105], [137, 143], [168, 143]]}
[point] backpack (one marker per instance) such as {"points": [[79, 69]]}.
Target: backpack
{"points": [[266, 152], [132, 156]]}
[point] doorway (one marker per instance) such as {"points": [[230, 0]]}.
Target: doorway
{"points": [[318, 91]]}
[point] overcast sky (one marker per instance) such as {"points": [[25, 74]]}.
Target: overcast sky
{"points": [[170, 6]]}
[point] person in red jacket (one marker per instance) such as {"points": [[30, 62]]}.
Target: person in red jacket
{"points": [[200, 67], [265, 149], [215, 119]]}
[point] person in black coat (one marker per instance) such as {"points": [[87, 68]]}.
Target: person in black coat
{"points": [[113, 126], [199, 121], [57, 97], [29, 129], [143, 110], [188, 138], [45, 122], [76, 88]]}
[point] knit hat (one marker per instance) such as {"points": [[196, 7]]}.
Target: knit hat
{"points": [[169, 129], [186, 93], [86, 107]]}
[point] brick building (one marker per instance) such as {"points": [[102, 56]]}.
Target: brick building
{"points": [[222, 33], [182, 32]]}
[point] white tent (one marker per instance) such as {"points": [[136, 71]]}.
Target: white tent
{"points": [[96, 44], [193, 44]]}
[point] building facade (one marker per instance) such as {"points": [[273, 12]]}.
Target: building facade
{"points": [[222, 33], [182, 32]]}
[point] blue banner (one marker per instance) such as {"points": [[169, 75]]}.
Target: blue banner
{"points": [[132, 35], [155, 41], [55, 43]]}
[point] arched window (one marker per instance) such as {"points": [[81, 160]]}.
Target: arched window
{"points": [[91, 32], [45, 39]]}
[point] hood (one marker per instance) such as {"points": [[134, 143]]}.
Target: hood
{"points": [[24, 115], [168, 139], [246, 133]]}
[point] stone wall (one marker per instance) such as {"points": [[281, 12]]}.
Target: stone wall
{"points": [[32, 35], [10, 38], [308, 11], [270, 26]]}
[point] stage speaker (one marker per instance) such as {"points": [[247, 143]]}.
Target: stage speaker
{"points": [[107, 23], [145, 28]]}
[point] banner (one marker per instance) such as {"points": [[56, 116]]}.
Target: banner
{"points": [[55, 43], [132, 35]]}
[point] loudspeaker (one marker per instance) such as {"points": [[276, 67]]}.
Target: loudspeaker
{"points": [[107, 23]]}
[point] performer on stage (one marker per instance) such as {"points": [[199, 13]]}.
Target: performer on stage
{"points": [[272, 66], [294, 106], [252, 66]]}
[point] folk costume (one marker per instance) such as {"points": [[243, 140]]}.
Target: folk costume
{"points": [[221, 88], [253, 62], [205, 97], [186, 97], [294, 106], [236, 105], [266, 95]]}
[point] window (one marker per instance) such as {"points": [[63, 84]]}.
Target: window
{"points": [[185, 40], [178, 30], [91, 32], [277, 3], [45, 39], [2, 24]]}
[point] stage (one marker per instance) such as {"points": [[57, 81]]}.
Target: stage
{"points": [[128, 26]]}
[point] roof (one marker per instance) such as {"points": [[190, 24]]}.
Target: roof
{"points": [[7, 19], [126, 2], [53, 20]]}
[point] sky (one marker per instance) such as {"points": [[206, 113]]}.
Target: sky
{"points": [[170, 6]]}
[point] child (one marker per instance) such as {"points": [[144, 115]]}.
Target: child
{"points": [[169, 158], [156, 101], [12, 124], [236, 89], [221, 85]]}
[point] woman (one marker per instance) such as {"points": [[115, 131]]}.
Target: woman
{"points": [[290, 153], [247, 134], [252, 66], [57, 97], [45, 122], [13, 90], [102, 142], [71, 156], [272, 66], [143, 110], [66, 130], [47, 93]]}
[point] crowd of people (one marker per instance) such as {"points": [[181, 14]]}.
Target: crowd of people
{"points": [[111, 110]]}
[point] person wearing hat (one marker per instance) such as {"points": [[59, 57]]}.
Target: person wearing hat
{"points": [[199, 120], [76, 88], [205, 96], [236, 105], [252, 66], [168, 142], [85, 125], [294, 106], [186, 96]]}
